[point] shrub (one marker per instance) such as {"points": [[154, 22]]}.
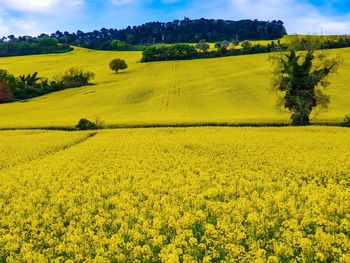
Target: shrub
{"points": [[172, 52], [204, 47], [23, 87], [225, 45], [85, 124], [75, 77], [346, 122], [120, 45], [118, 64], [29, 86], [246, 46]]}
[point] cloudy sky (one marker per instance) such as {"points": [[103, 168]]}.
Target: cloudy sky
{"points": [[32, 17]]}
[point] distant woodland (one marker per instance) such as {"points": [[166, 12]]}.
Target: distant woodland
{"points": [[178, 31]]}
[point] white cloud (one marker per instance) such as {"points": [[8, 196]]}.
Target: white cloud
{"points": [[4, 29], [21, 16], [19, 27], [40, 6], [25, 27]]}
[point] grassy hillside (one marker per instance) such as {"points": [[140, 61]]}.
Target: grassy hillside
{"points": [[231, 89]]}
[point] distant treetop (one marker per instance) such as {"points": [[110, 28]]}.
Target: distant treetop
{"points": [[178, 31]]}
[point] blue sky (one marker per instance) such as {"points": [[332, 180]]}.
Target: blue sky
{"points": [[32, 17]]}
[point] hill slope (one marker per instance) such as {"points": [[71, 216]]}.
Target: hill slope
{"points": [[231, 89]]}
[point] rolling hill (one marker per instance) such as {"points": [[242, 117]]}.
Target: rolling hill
{"points": [[231, 89]]}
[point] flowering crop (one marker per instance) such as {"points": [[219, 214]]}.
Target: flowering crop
{"points": [[21, 146], [229, 89], [182, 195]]}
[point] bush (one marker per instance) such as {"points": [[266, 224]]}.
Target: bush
{"points": [[29, 86], [346, 122], [24, 87], [172, 52], [120, 45], [85, 124], [118, 64], [186, 51], [75, 77], [204, 47]]}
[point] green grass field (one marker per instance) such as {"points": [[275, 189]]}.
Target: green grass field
{"points": [[231, 89]]}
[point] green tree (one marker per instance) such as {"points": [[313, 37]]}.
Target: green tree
{"points": [[225, 45], [204, 47], [74, 77], [246, 46], [118, 64], [347, 121], [48, 42], [302, 78], [119, 45], [85, 124]]}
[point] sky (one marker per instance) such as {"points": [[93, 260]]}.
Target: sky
{"points": [[33, 17]]}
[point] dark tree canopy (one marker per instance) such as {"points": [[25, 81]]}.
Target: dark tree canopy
{"points": [[31, 45], [302, 79], [184, 31], [118, 64]]}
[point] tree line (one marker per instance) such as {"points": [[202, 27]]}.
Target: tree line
{"points": [[177, 31], [201, 50], [12, 46], [227, 48], [13, 88]]}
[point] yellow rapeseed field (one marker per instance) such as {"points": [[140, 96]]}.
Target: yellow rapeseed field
{"points": [[177, 195], [22, 146], [230, 89]]}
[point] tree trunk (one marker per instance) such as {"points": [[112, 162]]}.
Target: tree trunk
{"points": [[301, 119], [5, 93]]}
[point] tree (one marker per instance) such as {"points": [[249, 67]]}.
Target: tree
{"points": [[74, 77], [246, 46], [302, 78], [224, 45], [119, 45], [346, 122], [30, 79], [85, 124], [204, 47], [118, 64], [48, 42]]}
